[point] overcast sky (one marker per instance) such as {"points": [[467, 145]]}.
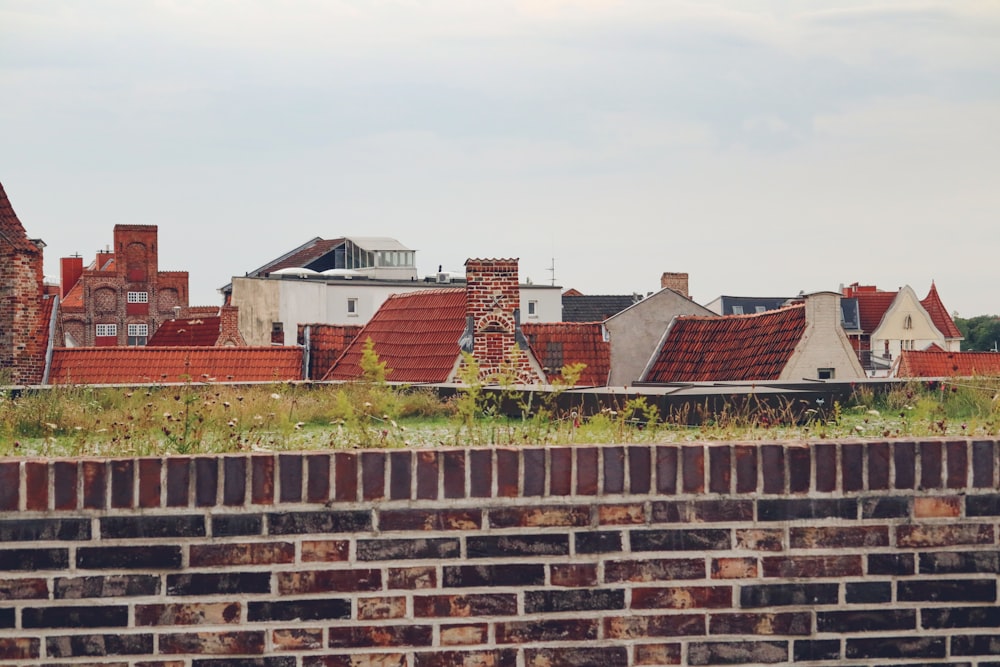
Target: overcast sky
{"points": [[762, 146]]}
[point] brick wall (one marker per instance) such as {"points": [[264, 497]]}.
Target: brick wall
{"points": [[857, 553]]}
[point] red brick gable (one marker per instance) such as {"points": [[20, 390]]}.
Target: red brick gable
{"points": [[415, 334], [935, 362], [120, 365], [732, 348], [558, 344]]}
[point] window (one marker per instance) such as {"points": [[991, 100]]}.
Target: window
{"points": [[137, 297], [352, 306], [106, 330], [825, 373], [533, 309], [906, 344], [760, 309], [138, 334], [908, 322], [737, 310]]}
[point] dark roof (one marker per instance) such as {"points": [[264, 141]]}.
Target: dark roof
{"points": [[595, 308], [197, 332], [728, 348], [558, 344], [415, 334], [748, 305]]}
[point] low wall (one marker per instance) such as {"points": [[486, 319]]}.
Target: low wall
{"points": [[705, 554]]}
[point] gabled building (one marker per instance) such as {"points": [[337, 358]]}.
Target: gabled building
{"points": [[122, 297], [420, 336], [362, 274], [935, 362], [634, 333], [891, 322], [26, 311], [803, 341]]}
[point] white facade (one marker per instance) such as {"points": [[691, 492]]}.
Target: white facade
{"points": [[267, 303], [907, 325]]}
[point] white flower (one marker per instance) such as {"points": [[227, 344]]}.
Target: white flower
{"points": [[874, 413], [275, 396]]}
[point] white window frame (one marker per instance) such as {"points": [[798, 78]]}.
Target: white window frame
{"points": [[533, 308], [138, 330], [137, 297], [109, 330], [352, 306], [737, 310]]}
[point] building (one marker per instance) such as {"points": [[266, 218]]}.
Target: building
{"points": [[200, 327], [803, 341], [421, 336], [26, 311], [361, 274], [122, 297], [891, 322]]}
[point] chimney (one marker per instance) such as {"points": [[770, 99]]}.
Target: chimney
{"points": [[493, 327], [229, 327], [103, 257], [678, 282], [70, 270]]}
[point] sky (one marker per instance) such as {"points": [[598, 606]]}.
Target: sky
{"points": [[765, 147]]}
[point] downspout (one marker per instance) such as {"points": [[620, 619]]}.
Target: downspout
{"points": [[306, 338], [54, 318]]}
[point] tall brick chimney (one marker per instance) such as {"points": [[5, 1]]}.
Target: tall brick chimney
{"points": [[678, 282], [493, 321], [229, 327], [70, 270]]}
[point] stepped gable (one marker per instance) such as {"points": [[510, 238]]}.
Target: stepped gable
{"points": [[732, 348]]}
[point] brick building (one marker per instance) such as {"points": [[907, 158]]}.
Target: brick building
{"points": [[25, 309], [122, 297]]}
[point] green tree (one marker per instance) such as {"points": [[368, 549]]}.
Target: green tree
{"points": [[981, 333]]}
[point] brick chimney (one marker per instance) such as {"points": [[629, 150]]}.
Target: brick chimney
{"points": [[229, 328], [678, 282], [70, 270], [493, 328]]}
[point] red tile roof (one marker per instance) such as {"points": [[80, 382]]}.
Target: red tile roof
{"points": [[196, 332], [935, 362], [326, 343], [114, 365], [939, 314], [11, 228], [732, 348], [872, 307], [415, 334], [558, 344]]}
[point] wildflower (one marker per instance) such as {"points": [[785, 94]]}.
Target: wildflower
{"points": [[167, 416], [875, 413], [225, 404], [275, 396], [299, 425], [232, 422], [51, 426], [859, 428]]}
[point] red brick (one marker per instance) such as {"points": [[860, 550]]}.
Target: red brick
{"points": [[693, 469], [760, 539], [586, 471], [683, 597], [412, 578], [150, 486], [772, 464], [325, 581], [746, 469], [826, 467], [373, 475], [939, 535], [666, 470], [639, 470], [381, 608], [318, 478], [481, 473], [813, 566], [231, 554], [720, 469], [95, 479], [621, 515], [325, 551], [65, 480], [644, 627], [931, 465], [799, 469], [453, 467], [345, 476], [925, 507], [657, 654], [561, 471], [297, 639], [573, 575], [957, 475], [734, 568], [213, 643], [839, 537], [466, 634], [213, 613], [36, 482]]}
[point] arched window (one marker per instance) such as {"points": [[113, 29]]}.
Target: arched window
{"points": [[908, 322]]}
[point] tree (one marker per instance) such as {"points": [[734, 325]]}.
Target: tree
{"points": [[981, 333]]}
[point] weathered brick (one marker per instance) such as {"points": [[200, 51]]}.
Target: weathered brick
{"points": [[345, 467], [318, 478], [400, 549], [812, 567], [805, 650], [890, 507], [780, 595], [702, 511], [982, 505], [533, 473], [38, 530], [642, 627], [65, 476], [213, 613], [799, 469], [838, 537], [947, 590], [586, 471], [232, 525], [852, 477], [234, 480], [213, 643], [904, 465], [298, 523], [234, 554], [535, 517], [174, 526], [735, 568], [36, 486], [508, 574], [573, 600], [10, 486], [772, 464], [878, 466], [418, 519], [937, 535], [428, 473], [891, 563], [178, 481], [930, 465], [780, 623], [975, 645], [373, 475], [597, 542], [206, 481], [573, 575], [508, 472], [160, 557], [95, 480], [30, 560], [412, 578], [693, 469], [478, 658], [658, 569], [464, 634], [204, 583], [666, 470], [463, 606], [731, 653], [683, 597], [90, 616], [289, 477], [561, 471], [680, 540], [262, 479], [20, 648], [297, 639], [613, 459], [984, 461], [481, 473], [453, 466], [325, 551], [826, 467], [895, 648], [575, 657], [554, 630], [298, 610], [790, 509], [867, 620], [621, 515], [325, 581], [381, 635], [960, 617], [381, 608], [957, 471], [957, 562], [29, 588], [937, 507], [488, 546], [401, 475], [150, 484], [639, 469], [759, 539], [94, 645], [868, 592], [112, 586]]}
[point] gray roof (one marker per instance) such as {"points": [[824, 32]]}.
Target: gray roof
{"points": [[595, 308]]}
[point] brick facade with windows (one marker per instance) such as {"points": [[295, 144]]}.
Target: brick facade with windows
{"points": [[23, 308], [123, 287]]}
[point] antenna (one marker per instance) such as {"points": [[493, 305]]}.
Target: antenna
{"points": [[552, 270]]}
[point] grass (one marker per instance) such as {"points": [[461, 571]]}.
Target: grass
{"points": [[197, 418]]}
